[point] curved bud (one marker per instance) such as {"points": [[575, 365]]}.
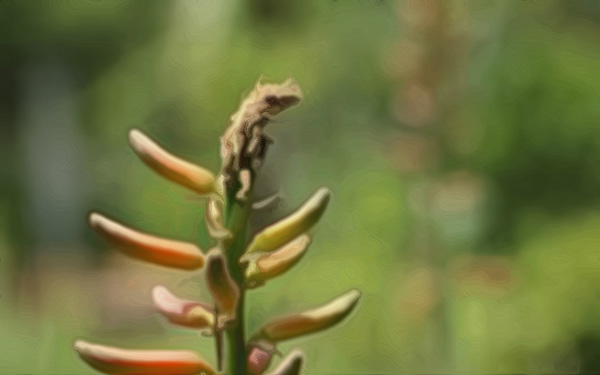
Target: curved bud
{"points": [[110, 360], [222, 287], [290, 365], [189, 175], [259, 357], [214, 220], [273, 264], [286, 229], [183, 312], [162, 251], [294, 325]]}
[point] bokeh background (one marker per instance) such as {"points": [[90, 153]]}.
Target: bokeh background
{"points": [[461, 140]]}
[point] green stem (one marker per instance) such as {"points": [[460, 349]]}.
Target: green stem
{"points": [[236, 218], [236, 350]]}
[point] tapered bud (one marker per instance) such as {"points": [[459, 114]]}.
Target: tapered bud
{"points": [[189, 175], [290, 365], [277, 262], [162, 251], [278, 234], [222, 287], [294, 325], [183, 312], [214, 220], [110, 360]]}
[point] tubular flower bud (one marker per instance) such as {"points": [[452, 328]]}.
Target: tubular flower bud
{"points": [[110, 360], [183, 312], [277, 262], [259, 357], [290, 365], [162, 251], [214, 220], [288, 228], [222, 287], [294, 325], [189, 175]]}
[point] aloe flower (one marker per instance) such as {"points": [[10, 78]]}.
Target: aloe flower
{"points": [[233, 265]]}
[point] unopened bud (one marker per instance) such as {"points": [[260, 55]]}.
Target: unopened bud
{"points": [[222, 287], [299, 324], [290, 365], [277, 262], [189, 175], [259, 357], [214, 220], [158, 250], [183, 312], [110, 360], [278, 234]]}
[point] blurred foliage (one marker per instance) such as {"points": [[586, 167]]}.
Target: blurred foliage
{"points": [[512, 188]]}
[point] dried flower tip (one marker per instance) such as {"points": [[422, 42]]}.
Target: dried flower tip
{"points": [[183, 312], [214, 220], [161, 251], [244, 144], [288, 228], [290, 365], [222, 287], [110, 360], [294, 325], [245, 179], [189, 175], [277, 262]]}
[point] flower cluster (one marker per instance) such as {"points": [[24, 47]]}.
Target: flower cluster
{"points": [[234, 265]]}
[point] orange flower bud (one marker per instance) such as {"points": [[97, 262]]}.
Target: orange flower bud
{"points": [[299, 324], [290, 365], [273, 264], [110, 360], [162, 251], [183, 312], [189, 175], [222, 287], [278, 234]]}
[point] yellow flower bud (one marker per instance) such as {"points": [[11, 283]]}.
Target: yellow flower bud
{"points": [[290, 365], [183, 312], [189, 175], [299, 324], [277, 262], [288, 228], [214, 220], [110, 360], [222, 287], [162, 251]]}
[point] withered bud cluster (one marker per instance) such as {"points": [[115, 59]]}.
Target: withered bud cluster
{"points": [[233, 265]]}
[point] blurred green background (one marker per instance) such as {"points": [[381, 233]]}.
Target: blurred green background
{"points": [[460, 140]]}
